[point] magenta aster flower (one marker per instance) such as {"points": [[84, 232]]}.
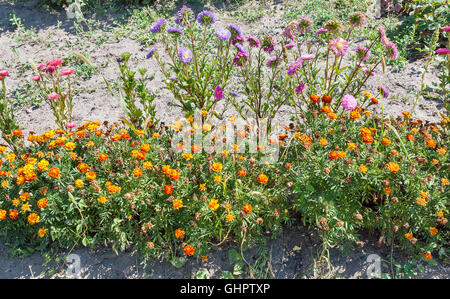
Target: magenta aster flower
{"points": [[300, 88], [206, 18], [35, 78], [71, 125], [446, 28], [185, 55], [392, 51], [238, 40], [383, 91], [348, 102], [218, 92], [321, 30], [368, 71], [308, 57], [288, 31], [253, 42], [240, 59], [290, 45], [155, 28], [54, 62], [223, 34], [339, 47], [273, 62], [442, 51], [66, 72], [267, 44], [362, 53], [294, 66]]}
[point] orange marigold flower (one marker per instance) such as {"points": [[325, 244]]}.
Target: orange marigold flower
{"points": [[323, 141], [440, 214], [13, 214], [355, 115], [326, 99], [195, 148], [421, 201], [213, 204], [247, 208], [433, 231], [54, 172], [79, 183], [179, 233], [332, 115], [314, 98], [42, 232], [393, 167], [216, 167], [374, 101], [427, 256], [262, 178], [333, 155], [385, 141], [202, 187], [363, 169], [103, 157], [147, 165], [241, 172], [17, 132], [177, 204], [445, 182], [70, 146], [168, 189], [137, 172], [33, 218], [229, 217], [431, 143], [326, 109], [408, 236], [218, 179], [351, 146], [341, 154], [42, 203], [410, 137], [91, 175], [387, 191], [189, 250], [82, 167], [3, 214], [102, 199], [441, 151], [145, 147]]}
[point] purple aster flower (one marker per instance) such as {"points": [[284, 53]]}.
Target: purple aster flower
{"points": [[150, 54], [155, 28], [304, 24], [392, 51], [185, 55], [442, 51], [273, 62], [218, 92], [235, 30], [339, 46], [253, 42], [362, 53], [240, 48], [206, 18], [240, 58], [300, 88], [348, 102], [176, 31], [293, 67], [223, 34], [383, 91], [183, 15], [173, 79], [234, 94], [321, 30]]}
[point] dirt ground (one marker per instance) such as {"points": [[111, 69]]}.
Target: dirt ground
{"points": [[56, 37]]}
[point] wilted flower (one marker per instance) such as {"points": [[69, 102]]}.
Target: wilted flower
{"points": [[294, 66], [223, 34], [267, 44], [183, 15], [185, 55], [362, 53], [304, 24], [253, 42], [392, 51], [206, 18], [357, 19], [289, 29]]}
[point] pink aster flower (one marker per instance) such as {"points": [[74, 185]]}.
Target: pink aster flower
{"points": [[442, 51], [53, 96], [362, 53], [348, 102], [36, 78], [392, 51], [54, 62], [308, 57], [290, 45], [3, 74], [339, 47], [71, 125], [66, 72], [446, 28], [293, 67], [321, 30]]}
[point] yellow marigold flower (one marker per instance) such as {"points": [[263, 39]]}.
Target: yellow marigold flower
{"points": [[155, 135], [204, 258], [213, 204], [433, 231], [444, 182], [441, 151], [440, 214], [431, 143], [225, 153], [351, 146], [202, 187], [140, 133], [147, 165], [218, 179], [187, 156], [42, 232], [423, 194], [32, 161], [204, 112], [91, 175], [177, 204], [15, 202], [216, 167], [421, 201], [363, 168], [385, 141], [232, 119], [10, 157], [70, 146], [90, 143], [367, 94], [25, 207], [79, 183], [33, 218], [206, 128], [2, 214], [2, 149], [408, 236], [102, 199], [42, 203], [262, 178], [323, 141], [5, 184], [434, 161]]}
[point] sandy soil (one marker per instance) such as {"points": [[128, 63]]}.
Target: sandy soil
{"points": [[55, 39]]}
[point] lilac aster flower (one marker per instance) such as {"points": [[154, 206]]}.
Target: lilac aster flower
{"points": [[185, 55], [183, 15], [175, 31], [383, 91], [339, 46], [155, 28], [223, 34], [442, 51], [304, 24], [300, 88], [253, 42], [240, 48], [321, 30], [392, 51], [348, 102], [293, 67], [150, 54], [206, 18], [362, 53], [240, 58], [173, 79], [234, 94], [235, 30], [273, 62], [218, 92]]}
